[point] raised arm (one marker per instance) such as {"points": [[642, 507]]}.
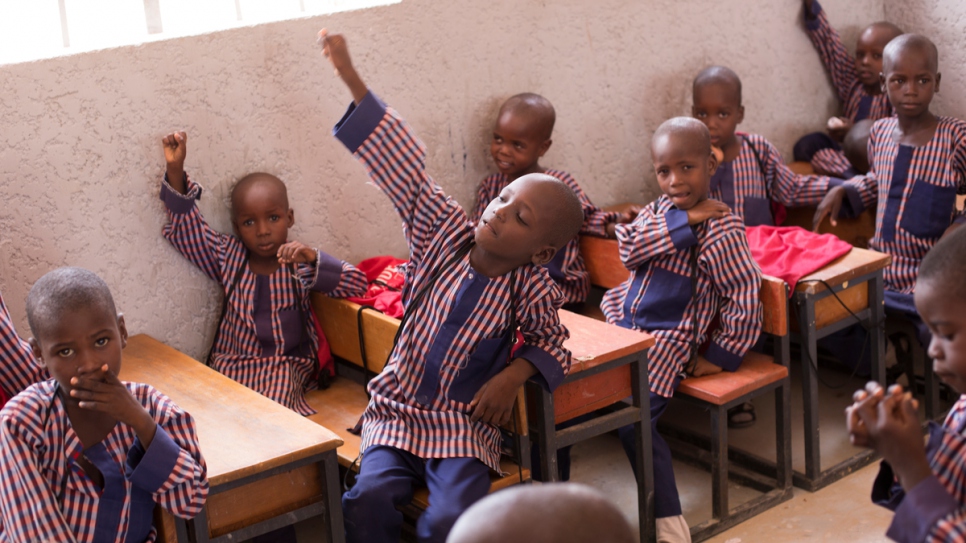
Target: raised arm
{"points": [[321, 272], [835, 56], [18, 367]]}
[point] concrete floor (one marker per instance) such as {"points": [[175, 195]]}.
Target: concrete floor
{"points": [[839, 512]]}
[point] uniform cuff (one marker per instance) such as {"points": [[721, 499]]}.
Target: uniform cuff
{"points": [[328, 272], [814, 23], [721, 357], [177, 202], [924, 505], [682, 236], [359, 121], [151, 468], [550, 373]]}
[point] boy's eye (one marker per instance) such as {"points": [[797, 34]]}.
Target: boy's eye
{"points": [[100, 342], [701, 115], [65, 352], [687, 167], [248, 222], [662, 171], [877, 56], [497, 139], [274, 218], [518, 145], [724, 114], [520, 219]]}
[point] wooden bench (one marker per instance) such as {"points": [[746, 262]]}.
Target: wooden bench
{"points": [[856, 231], [757, 375], [340, 406]]}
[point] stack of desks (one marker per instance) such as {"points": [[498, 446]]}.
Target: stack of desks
{"points": [[268, 466]]}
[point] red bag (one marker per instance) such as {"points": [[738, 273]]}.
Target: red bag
{"points": [[790, 253], [385, 280]]}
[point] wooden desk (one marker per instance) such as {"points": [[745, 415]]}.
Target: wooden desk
{"points": [[856, 281], [609, 364], [268, 467]]}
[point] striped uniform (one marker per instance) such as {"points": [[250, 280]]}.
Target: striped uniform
{"points": [[856, 102], [916, 190], [18, 367], [832, 162], [567, 267], [657, 296], [46, 496], [266, 340], [456, 341], [935, 509], [749, 187]]}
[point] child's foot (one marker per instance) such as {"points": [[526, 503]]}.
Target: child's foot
{"points": [[742, 416]]}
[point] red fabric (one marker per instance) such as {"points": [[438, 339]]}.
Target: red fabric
{"points": [[3, 398], [790, 252], [326, 362], [385, 285]]}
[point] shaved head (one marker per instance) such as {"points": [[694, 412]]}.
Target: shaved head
{"points": [[537, 110], [718, 75], [907, 44], [943, 264], [686, 131], [883, 32], [65, 290], [561, 205], [267, 180], [548, 513]]}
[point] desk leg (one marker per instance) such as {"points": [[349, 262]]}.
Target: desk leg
{"points": [[877, 327], [198, 527], [806, 318], [329, 473], [642, 440], [546, 431]]}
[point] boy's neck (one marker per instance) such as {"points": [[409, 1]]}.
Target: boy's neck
{"points": [[489, 265], [731, 148], [260, 265], [873, 90], [916, 131]]}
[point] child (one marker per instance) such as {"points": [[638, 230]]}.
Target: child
{"points": [[434, 410], [18, 367], [689, 261], [856, 81], [265, 339], [918, 166], [87, 457], [925, 486], [550, 513], [751, 174], [521, 136]]}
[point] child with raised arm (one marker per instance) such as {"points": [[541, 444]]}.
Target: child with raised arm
{"points": [[689, 261], [86, 457], [521, 136], [18, 367], [924, 485], [856, 81], [918, 165], [435, 409], [265, 339]]}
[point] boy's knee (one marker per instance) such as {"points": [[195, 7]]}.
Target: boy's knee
{"points": [[437, 521]]}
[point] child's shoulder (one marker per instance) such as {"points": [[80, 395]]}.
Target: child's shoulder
{"points": [[954, 126], [31, 402], [757, 143]]}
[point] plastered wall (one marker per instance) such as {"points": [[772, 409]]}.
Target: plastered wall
{"points": [[80, 156]]}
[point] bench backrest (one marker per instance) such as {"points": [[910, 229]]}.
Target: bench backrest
{"points": [[603, 261]]}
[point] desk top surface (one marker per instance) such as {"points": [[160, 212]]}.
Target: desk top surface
{"points": [[241, 432], [593, 342], [853, 264]]}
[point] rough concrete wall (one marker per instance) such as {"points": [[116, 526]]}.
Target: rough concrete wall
{"points": [[943, 22], [80, 156]]}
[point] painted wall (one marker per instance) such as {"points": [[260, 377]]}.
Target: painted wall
{"points": [[80, 156]]}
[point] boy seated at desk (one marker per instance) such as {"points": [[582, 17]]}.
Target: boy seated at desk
{"points": [[925, 486], [450, 382], [85, 457], [856, 82], [918, 165], [521, 136], [265, 338], [18, 367], [689, 261]]}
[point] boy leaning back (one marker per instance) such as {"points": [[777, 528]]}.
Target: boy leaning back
{"points": [[86, 457], [435, 408]]}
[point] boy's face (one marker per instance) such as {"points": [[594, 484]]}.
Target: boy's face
{"points": [[718, 107], [262, 218], [515, 226], [683, 169], [517, 144], [943, 314], [80, 343], [911, 82], [868, 54]]}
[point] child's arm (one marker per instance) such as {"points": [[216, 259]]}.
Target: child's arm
{"points": [[18, 367], [857, 193], [393, 156], [322, 272], [187, 229], [655, 234], [737, 281], [835, 56], [784, 185], [29, 508]]}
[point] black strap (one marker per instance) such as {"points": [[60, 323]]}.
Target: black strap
{"points": [[224, 307], [761, 165]]}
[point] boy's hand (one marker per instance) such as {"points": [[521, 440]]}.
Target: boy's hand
{"points": [[335, 49], [103, 391], [807, 4], [297, 252], [493, 403], [838, 127], [895, 433], [871, 395], [175, 149], [830, 206], [703, 367], [625, 217], [707, 209]]}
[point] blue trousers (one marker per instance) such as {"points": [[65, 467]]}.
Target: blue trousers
{"points": [[666, 500], [387, 478], [806, 147]]}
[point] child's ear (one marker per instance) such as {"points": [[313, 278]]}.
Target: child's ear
{"points": [[741, 114], [291, 217], [544, 255], [35, 347], [122, 328], [939, 77], [882, 85], [545, 146], [712, 163]]}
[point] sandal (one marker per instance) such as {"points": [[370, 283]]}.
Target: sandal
{"points": [[742, 416]]}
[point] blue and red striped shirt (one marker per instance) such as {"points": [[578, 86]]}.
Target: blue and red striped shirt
{"points": [[18, 367], [458, 338]]}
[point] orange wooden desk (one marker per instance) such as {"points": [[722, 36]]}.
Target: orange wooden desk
{"points": [[609, 364], [268, 467]]}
